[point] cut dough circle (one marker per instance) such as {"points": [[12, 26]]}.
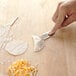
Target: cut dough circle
{"points": [[16, 47]]}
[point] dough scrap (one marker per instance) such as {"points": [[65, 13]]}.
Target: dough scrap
{"points": [[5, 37], [16, 47], [4, 30], [5, 33]]}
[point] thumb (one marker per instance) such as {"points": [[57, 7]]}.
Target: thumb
{"points": [[69, 20]]}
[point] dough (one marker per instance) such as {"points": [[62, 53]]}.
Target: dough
{"points": [[45, 36], [38, 43], [16, 47], [5, 34], [4, 30], [4, 41], [5, 37]]}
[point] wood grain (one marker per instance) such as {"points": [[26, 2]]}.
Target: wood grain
{"points": [[58, 58]]}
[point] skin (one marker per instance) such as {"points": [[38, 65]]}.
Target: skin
{"points": [[64, 15]]}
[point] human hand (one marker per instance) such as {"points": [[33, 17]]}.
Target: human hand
{"points": [[64, 15]]}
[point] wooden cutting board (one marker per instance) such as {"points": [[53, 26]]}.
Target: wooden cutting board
{"points": [[58, 58]]}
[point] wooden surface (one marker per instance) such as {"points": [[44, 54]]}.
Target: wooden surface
{"points": [[58, 58]]}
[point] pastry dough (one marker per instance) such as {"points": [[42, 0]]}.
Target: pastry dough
{"points": [[45, 36], [16, 47], [5, 34], [39, 41], [4, 30]]}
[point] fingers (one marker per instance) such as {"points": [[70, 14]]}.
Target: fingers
{"points": [[69, 20], [55, 16], [60, 20]]}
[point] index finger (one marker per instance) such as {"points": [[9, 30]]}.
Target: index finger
{"points": [[60, 20]]}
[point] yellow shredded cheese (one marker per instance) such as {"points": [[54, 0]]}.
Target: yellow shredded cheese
{"points": [[21, 68]]}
